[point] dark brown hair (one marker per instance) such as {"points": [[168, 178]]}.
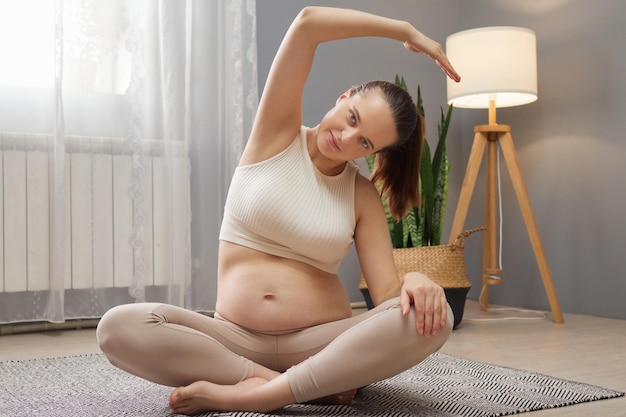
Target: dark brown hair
{"points": [[396, 169]]}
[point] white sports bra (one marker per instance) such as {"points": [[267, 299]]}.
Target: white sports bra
{"points": [[285, 206]]}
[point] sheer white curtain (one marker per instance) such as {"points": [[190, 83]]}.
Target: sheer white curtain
{"points": [[133, 118]]}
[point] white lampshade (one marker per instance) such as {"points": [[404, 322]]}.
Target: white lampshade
{"points": [[495, 63]]}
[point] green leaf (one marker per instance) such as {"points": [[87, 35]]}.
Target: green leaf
{"points": [[418, 213], [420, 105], [370, 160], [440, 151], [439, 201], [398, 235], [428, 190], [409, 223], [401, 83], [441, 169]]}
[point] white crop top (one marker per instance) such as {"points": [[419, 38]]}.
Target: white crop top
{"points": [[285, 206]]}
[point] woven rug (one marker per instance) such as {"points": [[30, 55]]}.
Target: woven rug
{"points": [[441, 386]]}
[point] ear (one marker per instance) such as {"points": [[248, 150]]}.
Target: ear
{"points": [[345, 95]]}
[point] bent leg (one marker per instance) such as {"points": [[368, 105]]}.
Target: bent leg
{"points": [[174, 346], [383, 345], [376, 345]]}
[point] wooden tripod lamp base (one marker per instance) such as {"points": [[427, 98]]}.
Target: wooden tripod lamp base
{"points": [[488, 136]]}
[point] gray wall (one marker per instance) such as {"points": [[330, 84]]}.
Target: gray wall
{"points": [[572, 150], [569, 142]]}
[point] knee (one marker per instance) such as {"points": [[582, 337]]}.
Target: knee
{"points": [[119, 328], [127, 326], [109, 333]]}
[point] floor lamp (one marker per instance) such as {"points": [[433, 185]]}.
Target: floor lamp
{"points": [[498, 66]]}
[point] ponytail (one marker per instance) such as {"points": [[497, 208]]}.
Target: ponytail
{"points": [[397, 168], [397, 171]]}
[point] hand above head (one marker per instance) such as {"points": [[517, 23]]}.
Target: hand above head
{"points": [[429, 301], [421, 43]]}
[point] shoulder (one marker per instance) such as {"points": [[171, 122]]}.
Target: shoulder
{"points": [[367, 198], [364, 188]]}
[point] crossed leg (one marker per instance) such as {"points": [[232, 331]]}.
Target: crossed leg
{"points": [[172, 346], [347, 362], [224, 367]]}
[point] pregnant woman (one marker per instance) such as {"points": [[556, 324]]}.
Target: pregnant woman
{"points": [[283, 331]]}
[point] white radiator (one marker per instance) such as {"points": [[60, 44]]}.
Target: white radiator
{"points": [[98, 212]]}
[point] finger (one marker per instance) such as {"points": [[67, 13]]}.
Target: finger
{"points": [[444, 310], [405, 303], [420, 315], [449, 71], [418, 305], [439, 57], [444, 63], [429, 309], [437, 311], [442, 60]]}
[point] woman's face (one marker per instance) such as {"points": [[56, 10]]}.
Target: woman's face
{"points": [[358, 125]]}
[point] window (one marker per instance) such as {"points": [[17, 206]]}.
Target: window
{"points": [[27, 43], [94, 55]]}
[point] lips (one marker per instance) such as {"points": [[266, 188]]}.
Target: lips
{"points": [[333, 141]]}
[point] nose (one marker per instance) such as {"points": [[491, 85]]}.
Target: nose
{"points": [[348, 135]]}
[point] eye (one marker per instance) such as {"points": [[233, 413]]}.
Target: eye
{"points": [[365, 143], [352, 118]]}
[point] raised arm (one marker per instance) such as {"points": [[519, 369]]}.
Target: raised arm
{"points": [[280, 110]]}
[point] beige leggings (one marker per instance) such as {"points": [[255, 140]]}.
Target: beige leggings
{"points": [[174, 346]]}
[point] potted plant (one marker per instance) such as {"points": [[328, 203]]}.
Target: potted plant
{"points": [[422, 226]]}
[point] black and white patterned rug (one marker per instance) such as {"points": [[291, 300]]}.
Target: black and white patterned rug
{"points": [[442, 386]]}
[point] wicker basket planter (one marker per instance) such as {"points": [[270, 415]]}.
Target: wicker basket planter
{"points": [[444, 264]]}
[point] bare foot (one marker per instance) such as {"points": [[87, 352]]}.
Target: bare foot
{"points": [[206, 396], [343, 398]]}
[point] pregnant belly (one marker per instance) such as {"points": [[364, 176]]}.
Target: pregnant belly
{"points": [[265, 293]]}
